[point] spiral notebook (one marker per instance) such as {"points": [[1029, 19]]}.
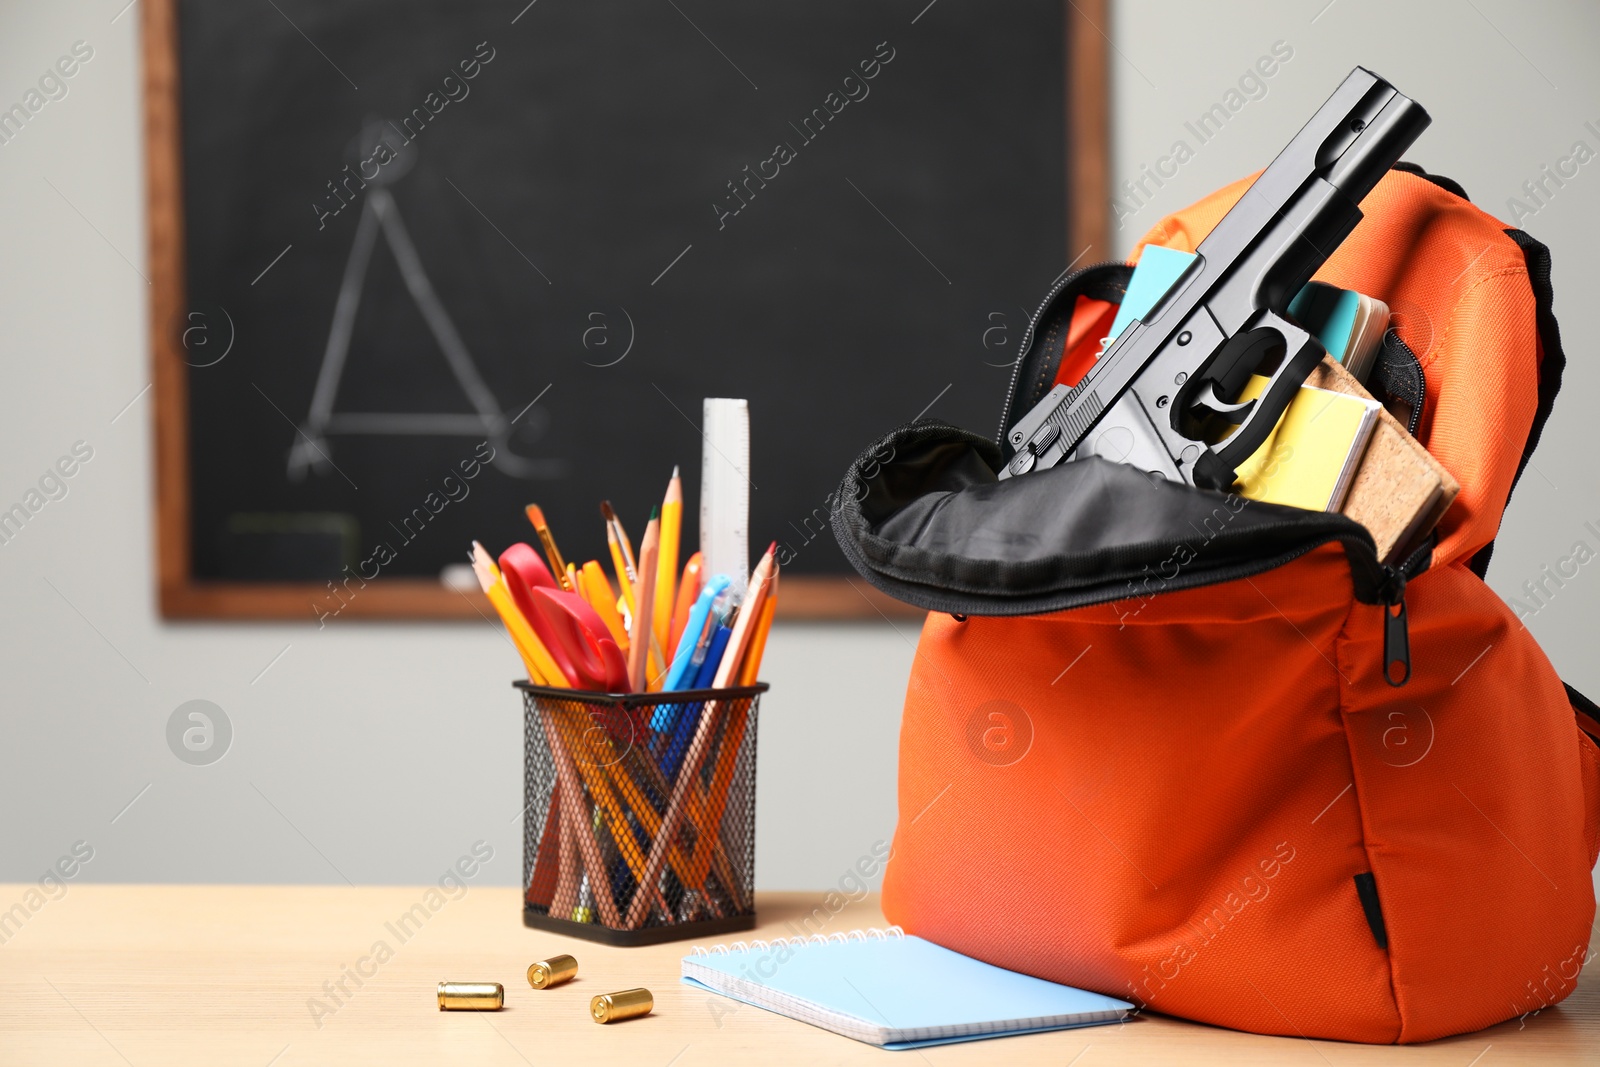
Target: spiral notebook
{"points": [[887, 989]]}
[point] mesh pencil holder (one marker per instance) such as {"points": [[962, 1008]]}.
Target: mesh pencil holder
{"points": [[640, 820]]}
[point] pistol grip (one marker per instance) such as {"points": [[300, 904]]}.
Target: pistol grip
{"points": [[1302, 352]]}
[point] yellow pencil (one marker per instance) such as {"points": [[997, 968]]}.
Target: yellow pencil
{"points": [[667, 562], [542, 669]]}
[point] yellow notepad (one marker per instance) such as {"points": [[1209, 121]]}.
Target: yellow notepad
{"points": [[1311, 456]]}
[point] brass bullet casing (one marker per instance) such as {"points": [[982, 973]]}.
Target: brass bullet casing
{"points": [[552, 972], [471, 996], [628, 1004]]}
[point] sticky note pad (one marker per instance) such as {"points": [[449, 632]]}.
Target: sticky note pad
{"points": [[1312, 453]]}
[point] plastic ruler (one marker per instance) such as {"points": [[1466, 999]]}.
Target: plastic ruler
{"points": [[725, 491]]}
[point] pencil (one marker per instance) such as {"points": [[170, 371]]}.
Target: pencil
{"points": [[749, 614], [667, 561], [644, 598], [689, 773], [688, 592], [619, 563], [558, 566], [542, 669], [751, 668]]}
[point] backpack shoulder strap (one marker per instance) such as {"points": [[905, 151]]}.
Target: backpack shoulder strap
{"points": [[1587, 711], [1552, 362]]}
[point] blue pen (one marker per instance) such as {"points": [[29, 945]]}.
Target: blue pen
{"points": [[688, 722], [697, 658], [682, 672]]}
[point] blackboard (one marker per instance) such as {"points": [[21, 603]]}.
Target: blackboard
{"points": [[414, 234]]}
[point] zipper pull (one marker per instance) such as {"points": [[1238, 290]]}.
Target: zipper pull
{"points": [[1396, 637]]}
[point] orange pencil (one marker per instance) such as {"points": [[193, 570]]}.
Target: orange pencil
{"points": [[751, 669], [688, 592], [644, 603]]}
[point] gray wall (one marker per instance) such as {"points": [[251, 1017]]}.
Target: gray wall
{"points": [[379, 753]]}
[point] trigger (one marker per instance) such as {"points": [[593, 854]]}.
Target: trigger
{"points": [[1207, 400]]}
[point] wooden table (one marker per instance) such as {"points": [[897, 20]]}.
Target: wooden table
{"points": [[139, 975]]}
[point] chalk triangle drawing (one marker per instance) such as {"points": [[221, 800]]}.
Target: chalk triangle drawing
{"points": [[380, 217]]}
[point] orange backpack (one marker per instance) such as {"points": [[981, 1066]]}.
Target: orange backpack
{"points": [[1149, 747]]}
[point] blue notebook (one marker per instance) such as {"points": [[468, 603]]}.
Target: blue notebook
{"points": [[885, 988]]}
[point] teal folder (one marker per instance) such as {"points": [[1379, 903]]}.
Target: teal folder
{"points": [[1158, 269], [898, 992]]}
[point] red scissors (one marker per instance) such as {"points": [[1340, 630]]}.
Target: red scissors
{"points": [[570, 630], [584, 638]]}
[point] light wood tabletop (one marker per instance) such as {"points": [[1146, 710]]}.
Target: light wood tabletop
{"points": [[249, 975]]}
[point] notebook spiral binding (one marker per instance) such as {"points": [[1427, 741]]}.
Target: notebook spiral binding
{"points": [[762, 944]]}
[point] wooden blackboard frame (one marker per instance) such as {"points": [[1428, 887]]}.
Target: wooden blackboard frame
{"points": [[181, 596]]}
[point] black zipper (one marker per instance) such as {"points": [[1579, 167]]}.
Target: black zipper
{"points": [[1396, 636], [1056, 290]]}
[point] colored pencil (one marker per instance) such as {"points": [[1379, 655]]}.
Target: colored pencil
{"points": [[542, 669], [667, 562], [750, 670], [688, 590]]}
